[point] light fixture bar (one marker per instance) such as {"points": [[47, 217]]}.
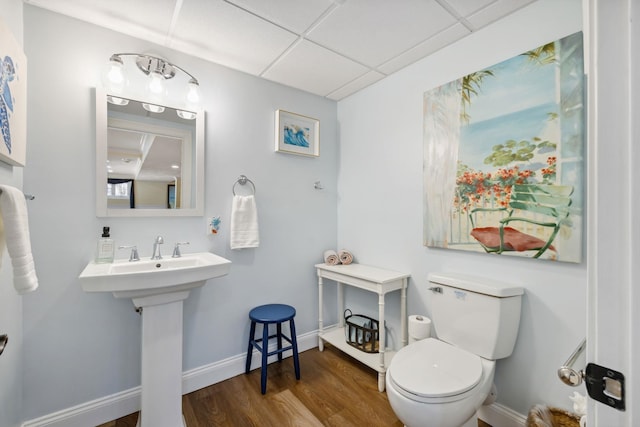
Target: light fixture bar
{"points": [[149, 63]]}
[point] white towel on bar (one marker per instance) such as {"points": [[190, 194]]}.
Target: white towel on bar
{"points": [[14, 233], [244, 223]]}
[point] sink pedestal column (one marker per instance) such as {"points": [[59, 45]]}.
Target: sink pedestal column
{"points": [[161, 402]]}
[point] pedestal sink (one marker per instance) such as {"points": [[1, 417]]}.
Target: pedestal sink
{"points": [[158, 287]]}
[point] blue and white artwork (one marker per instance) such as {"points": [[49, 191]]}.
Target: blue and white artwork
{"points": [[297, 134], [6, 102], [13, 99]]}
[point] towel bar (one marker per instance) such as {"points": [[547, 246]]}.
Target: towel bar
{"points": [[567, 373], [26, 196]]}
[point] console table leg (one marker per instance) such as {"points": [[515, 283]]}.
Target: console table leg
{"points": [[320, 309]]}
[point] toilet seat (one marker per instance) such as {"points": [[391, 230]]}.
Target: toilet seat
{"points": [[431, 369]]}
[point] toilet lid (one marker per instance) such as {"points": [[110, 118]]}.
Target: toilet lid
{"points": [[433, 368]]}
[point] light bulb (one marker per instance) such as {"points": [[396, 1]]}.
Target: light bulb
{"points": [[113, 78], [187, 115], [152, 108], [156, 85], [115, 74], [193, 92], [117, 100]]}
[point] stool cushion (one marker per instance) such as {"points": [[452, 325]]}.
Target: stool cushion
{"points": [[272, 313]]}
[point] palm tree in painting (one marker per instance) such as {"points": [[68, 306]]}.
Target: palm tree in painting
{"points": [[470, 87], [543, 55]]}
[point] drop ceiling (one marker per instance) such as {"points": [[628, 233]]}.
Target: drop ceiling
{"points": [[331, 48]]}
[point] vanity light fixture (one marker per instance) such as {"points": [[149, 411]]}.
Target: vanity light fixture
{"points": [[158, 70]]}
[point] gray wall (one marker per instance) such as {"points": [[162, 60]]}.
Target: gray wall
{"points": [[10, 302], [88, 345], [380, 205]]}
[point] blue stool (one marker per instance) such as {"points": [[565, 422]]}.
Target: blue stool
{"points": [[266, 315]]}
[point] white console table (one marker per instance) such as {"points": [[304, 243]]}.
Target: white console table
{"points": [[371, 279]]}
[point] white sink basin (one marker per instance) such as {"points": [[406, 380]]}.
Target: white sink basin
{"points": [[152, 277]]}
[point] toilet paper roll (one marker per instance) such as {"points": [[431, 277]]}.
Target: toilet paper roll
{"points": [[419, 328]]}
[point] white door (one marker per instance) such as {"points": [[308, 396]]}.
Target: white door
{"points": [[614, 198]]}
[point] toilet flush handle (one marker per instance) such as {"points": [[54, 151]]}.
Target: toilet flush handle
{"points": [[436, 289]]}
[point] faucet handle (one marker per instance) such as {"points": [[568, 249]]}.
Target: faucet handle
{"points": [[134, 252], [176, 249]]}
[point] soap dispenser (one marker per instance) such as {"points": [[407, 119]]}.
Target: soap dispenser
{"points": [[106, 248]]}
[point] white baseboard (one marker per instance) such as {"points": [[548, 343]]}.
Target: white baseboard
{"points": [[498, 415], [117, 405]]}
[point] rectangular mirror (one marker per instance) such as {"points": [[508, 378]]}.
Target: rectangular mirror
{"points": [[149, 159]]}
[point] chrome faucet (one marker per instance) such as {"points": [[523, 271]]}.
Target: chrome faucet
{"points": [[156, 248], [134, 252], [176, 249]]}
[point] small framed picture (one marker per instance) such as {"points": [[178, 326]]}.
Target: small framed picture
{"points": [[297, 134]]}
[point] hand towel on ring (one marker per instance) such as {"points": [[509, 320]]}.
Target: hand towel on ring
{"points": [[244, 223], [14, 234], [331, 257], [345, 257]]}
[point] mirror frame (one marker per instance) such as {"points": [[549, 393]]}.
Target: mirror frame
{"points": [[102, 209]]}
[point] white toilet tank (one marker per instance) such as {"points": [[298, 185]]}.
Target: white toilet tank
{"points": [[477, 314]]}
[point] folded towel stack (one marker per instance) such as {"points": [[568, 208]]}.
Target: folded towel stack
{"points": [[345, 256], [14, 232], [332, 257]]}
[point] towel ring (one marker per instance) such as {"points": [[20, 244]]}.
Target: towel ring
{"points": [[242, 180]]}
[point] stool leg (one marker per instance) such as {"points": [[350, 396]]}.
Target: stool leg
{"points": [[250, 350], [265, 352], [279, 327], [294, 345]]}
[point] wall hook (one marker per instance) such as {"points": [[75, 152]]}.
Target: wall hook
{"points": [[318, 186]]}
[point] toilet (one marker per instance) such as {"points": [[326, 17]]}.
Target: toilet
{"points": [[441, 382]]}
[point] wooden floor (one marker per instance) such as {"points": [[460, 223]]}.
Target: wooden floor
{"points": [[334, 390]]}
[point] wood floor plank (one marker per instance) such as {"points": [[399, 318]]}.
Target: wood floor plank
{"points": [[334, 390], [293, 411]]}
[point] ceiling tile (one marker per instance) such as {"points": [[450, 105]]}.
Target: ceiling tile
{"points": [[295, 15], [326, 47], [374, 31], [495, 11], [230, 36], [315, 69], [425, 48], [466, 7], [357, 84], [146, 19]]}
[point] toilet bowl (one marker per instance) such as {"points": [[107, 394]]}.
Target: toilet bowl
{"points": [[441, 382], [432, 383]]}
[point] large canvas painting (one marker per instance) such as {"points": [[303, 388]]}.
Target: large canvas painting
{"points": [[503, 156], [13, 99]]}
